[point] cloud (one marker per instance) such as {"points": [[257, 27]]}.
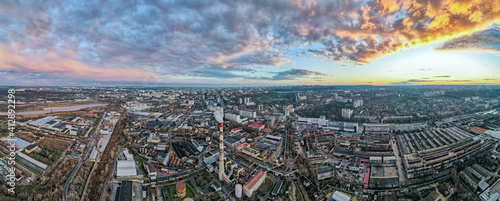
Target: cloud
{"points": [[428, 80], [418, 80], [297, 73], [130, 40], [442, 76], [488, 40]]}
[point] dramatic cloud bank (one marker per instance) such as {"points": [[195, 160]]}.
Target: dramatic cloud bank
{"points": [[488, 40], [135, 40]]}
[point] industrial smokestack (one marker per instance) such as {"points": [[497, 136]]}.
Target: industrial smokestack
{"points": [[219, 116], [221, 153]]}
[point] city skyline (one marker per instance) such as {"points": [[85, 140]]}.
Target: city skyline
{"points": [[249, 43]]}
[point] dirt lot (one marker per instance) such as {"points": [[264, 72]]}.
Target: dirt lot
{"points": [[30, 116], [40, 106]]}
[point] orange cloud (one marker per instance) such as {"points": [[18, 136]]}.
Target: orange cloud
{"points": [[429, 21], [50, 62]]}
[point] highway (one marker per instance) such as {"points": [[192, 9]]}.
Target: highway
{"points": [[66, 186]]}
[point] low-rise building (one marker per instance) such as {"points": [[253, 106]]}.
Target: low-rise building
{"points": [[325, 172], [254, 183]]}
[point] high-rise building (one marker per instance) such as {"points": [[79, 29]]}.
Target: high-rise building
{"points": [[249, 114], [287, 111], [346, 113], [357, 103], [240, 101], [233, 117], [246, 100]]}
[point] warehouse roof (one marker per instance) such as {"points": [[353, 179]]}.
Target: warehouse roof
{"points": [[126, 168]]}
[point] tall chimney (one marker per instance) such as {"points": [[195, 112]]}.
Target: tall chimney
{"points": [[221, 153]]}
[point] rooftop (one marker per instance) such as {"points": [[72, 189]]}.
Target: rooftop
{"points": [[254, 179]]}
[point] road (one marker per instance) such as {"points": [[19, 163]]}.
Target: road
{"points": [[221, 101], [178, 122], [402, 178], [111, 172], [66, 186]]}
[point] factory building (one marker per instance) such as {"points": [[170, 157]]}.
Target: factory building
{"points": [[151, 171], [180, 189], [254, 183], [303, 123], [377, 128], [436, 150], [324, 172], [125, 192]]}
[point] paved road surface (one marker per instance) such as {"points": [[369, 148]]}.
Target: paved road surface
{"points": [[111, 172], [66, 186], [402, 178]]}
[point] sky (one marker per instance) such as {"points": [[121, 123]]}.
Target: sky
{"points": [[261, 42]]}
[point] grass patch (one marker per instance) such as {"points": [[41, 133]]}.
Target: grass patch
{"points": [[170, 192], [316, 165], [201, 180], [443, 189]]}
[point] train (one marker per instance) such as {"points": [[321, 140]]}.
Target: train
{"points": [[169, 171]]}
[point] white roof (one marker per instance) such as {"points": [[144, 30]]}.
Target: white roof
{"points": [[483, 185], [105, 142], [128, 155], [44, 120], [19, 142], [93, 155], [338, 196], [126, 168], [31, 160], [273, 137], [494, 197], [495, 134]]}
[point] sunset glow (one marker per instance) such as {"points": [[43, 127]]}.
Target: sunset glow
{"points": [[250, 43]]}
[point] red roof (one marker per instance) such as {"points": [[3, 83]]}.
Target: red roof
{"points": [[353, 138], [243, 145], [366, 179], [254, 179], [342, 139], [180, 186], [479, 130], [257, 125], [365, 160], [235, 129]]}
